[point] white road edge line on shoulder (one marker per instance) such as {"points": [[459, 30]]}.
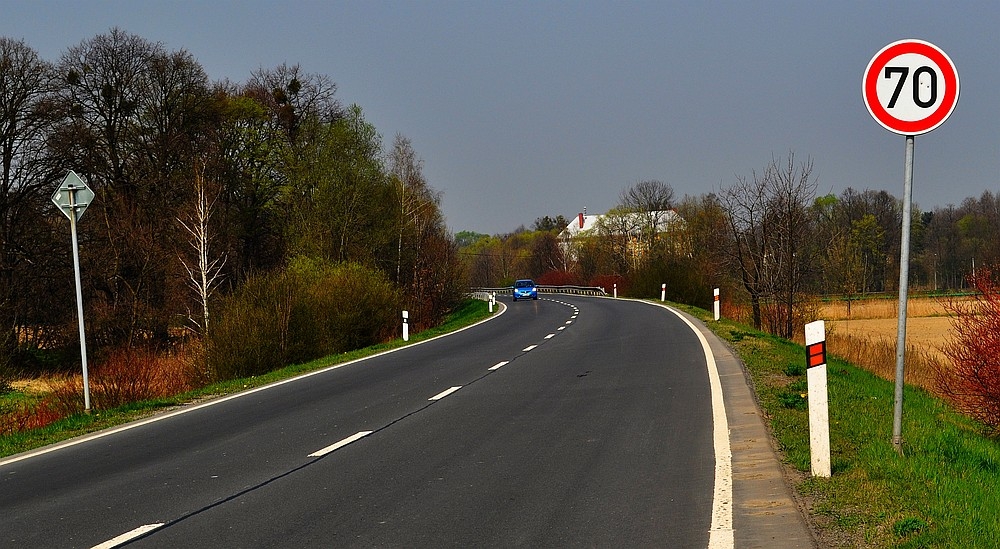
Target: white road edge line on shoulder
{"points": [[528, 348], [499, 365], [445, 393], [186, 409], [721, 536], [128, 536], [353, 438]]}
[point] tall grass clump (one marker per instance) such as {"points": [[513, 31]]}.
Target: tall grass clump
{"points": [[309, 310], [878, 356]]}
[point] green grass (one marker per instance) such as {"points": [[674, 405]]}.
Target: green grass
{"points": [[467, 313], [940, 493]]}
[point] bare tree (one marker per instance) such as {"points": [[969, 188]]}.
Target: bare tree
{"points": [[25, 86], [650, 203], [205, 274], [768, 224]]}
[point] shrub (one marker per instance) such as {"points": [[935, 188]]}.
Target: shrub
{"points": [[608, 283], [25, 416], [133, 375], [251, 332], [685, 283], [309, 310], [972, 382], [559, 278], [341, 308]]}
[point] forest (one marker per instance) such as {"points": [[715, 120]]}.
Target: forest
{"points": [[243, 226], [239, 227]]}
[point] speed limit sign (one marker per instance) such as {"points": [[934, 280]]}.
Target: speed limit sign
{"points": [[910, 87]]}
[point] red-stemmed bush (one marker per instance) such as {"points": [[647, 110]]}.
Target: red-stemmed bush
{"points": [[972, 380]]}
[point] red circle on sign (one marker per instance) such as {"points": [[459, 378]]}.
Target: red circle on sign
{"points": [[944, 108]]}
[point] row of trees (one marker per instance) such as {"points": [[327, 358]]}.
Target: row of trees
{"points": [[200, 186], [203, 187], [766, 238]]}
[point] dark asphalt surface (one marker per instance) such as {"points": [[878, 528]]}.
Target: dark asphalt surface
{"points": [[601, 435]]}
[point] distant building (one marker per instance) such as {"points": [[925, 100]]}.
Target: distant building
{"points": [[639, 229]]}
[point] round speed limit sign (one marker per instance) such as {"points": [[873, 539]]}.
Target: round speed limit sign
{"points": [[910, 87]]}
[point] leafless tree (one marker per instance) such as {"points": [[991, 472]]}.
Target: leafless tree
{"points": [[204, 274], [25, 88], [768, 224]]}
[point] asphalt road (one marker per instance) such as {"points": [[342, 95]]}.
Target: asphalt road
{"points": [[566, 421]]}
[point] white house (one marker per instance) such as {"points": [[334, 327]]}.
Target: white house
{"points": [[633, 225]]}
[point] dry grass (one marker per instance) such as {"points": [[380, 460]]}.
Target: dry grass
{"points": [[867, 337], [916, 307], [121, 378]]}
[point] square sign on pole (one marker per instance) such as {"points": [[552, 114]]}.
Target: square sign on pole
{"points": [[73, 195], [72, 198]]}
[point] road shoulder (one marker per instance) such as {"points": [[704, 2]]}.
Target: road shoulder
{"points": [[766, 512]]}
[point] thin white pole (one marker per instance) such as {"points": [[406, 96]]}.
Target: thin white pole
{"points": [[79, 298]]}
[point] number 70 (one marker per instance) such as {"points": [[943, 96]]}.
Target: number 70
{"points": [[904, 72]]}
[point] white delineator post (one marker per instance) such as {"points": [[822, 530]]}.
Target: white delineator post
{"points": [[616, 291], [819, 414], [716, 305], [663, 292], [406, 326], [492, 300]]}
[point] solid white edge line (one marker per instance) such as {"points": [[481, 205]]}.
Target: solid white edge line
{"points": [[445, 393], [353, 438], [721, 536], [128, 536], [528, 348], [499, 365], [186, 409]]}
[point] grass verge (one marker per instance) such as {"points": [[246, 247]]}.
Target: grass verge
{"points": [[940, 493], [469, 312]]}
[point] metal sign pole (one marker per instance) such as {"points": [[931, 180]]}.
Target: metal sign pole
{"points": [[904, 276], [72, 198], [79, 298]]}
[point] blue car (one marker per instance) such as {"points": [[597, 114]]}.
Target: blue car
{"points": [[525, 288]]}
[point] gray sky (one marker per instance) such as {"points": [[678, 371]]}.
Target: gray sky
{"points": [[526, 109]]}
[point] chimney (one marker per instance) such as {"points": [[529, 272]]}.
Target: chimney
{"points": [[581, 220]]}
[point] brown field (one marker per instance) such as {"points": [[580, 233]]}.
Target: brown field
{"points": [[867, 337], [928, 325]]}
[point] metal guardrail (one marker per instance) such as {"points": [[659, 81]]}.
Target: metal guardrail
{"points": [[543, 289]]}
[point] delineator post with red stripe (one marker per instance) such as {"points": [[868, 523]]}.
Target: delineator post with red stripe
{"points": [[819, 414], [716, 305]]}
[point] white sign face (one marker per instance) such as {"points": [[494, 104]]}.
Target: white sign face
{"points": [[73, 194], [910, 87]]}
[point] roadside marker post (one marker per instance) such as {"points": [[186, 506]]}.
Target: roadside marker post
{"points": [[663, 292], [910, 87], [819, 407], [716, 305], [406, 326], [616, 291]]}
